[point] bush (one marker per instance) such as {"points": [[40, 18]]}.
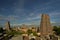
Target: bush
{"points": [[29, 32], [13, 32]]}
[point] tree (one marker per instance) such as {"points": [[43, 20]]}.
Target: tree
{"points": [[57, 30], [29, 32], [1, 29]]}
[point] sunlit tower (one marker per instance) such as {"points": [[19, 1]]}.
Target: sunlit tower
{"points": [[45, 26], [7, 26]]}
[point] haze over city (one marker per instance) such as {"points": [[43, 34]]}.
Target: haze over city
{"points": [[28, 11]]}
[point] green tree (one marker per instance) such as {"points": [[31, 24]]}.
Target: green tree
{"points": [[57, 30], [29, 32], [35, 34]]}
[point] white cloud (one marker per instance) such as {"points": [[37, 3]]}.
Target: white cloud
{"points": [[13, 17], [53, 22], [15, 24], [10, 17], [33, 18], [31, 14], [27, 23], [2, 17], [54, 14]]}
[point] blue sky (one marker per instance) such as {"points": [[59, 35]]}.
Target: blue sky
{"points": [[28, 11]]}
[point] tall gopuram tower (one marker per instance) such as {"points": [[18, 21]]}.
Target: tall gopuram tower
{"points": [[7, 26], [45, 26]]}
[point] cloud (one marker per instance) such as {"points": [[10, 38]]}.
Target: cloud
{"points": [[37, 17], [53, 22], [28, 23], [13, 17], [2, 17], [55, 17], [10, 17], [34, 18], [15, 24], [31, 14], [54, 14]]}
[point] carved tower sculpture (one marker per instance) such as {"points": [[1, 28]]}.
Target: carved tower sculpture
{"points": [[7, 26], [45, 26]]}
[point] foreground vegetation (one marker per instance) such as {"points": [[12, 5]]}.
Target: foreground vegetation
{"points": [[57, 30], [13, 32]]}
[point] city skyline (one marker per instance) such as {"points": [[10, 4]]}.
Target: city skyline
{"points": [[28, 11]]}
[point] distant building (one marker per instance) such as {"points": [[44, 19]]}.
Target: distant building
{"points": [[38, 29], [33, 28], [16, 28], [45, 26], [24, 28]]}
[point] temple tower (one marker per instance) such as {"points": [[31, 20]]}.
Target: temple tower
{"points": [[45, 26], [7, 26]]}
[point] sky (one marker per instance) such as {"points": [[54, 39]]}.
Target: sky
{"points": [[28, 11]]}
